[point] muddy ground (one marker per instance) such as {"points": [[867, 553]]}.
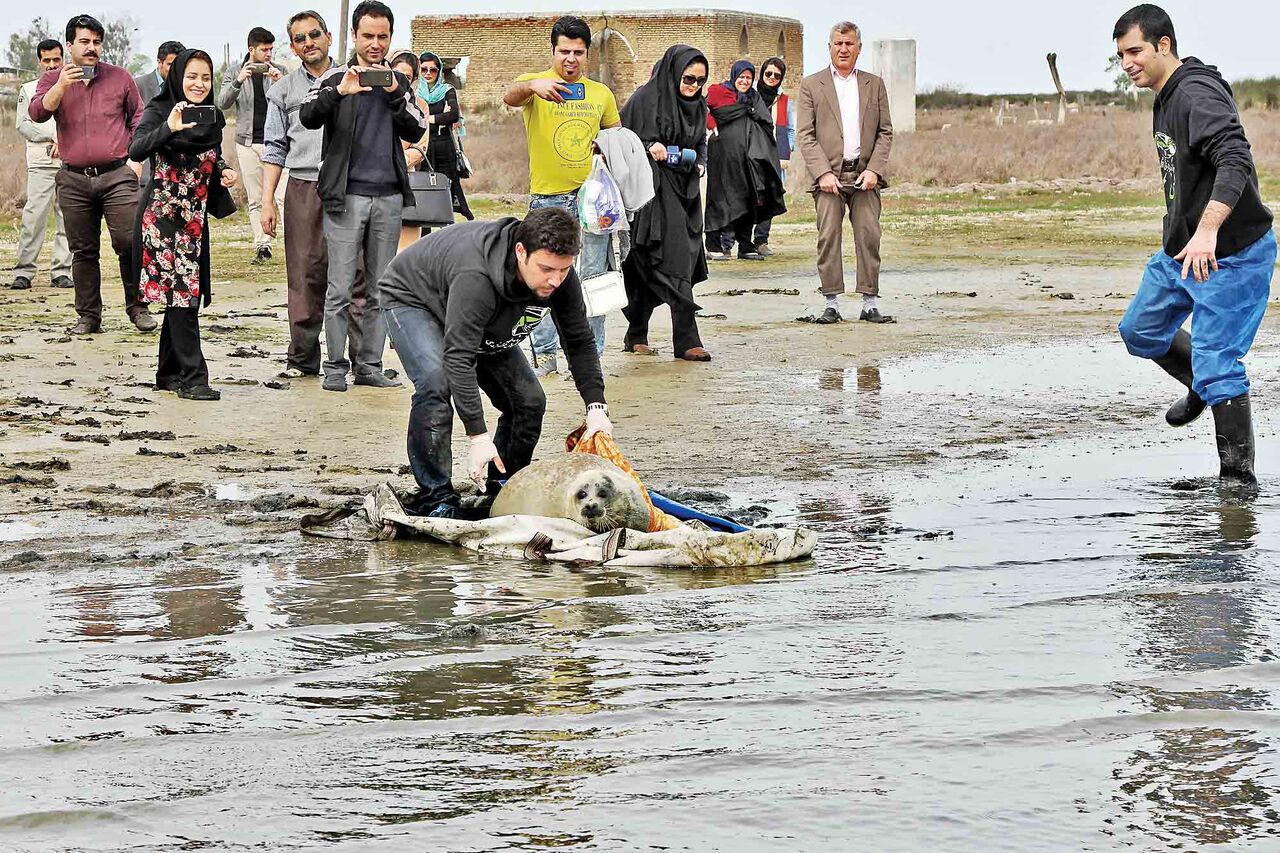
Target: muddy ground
{"points": [[93, 461]]}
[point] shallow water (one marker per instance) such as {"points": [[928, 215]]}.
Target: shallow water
{"points": [[1035, 636]]}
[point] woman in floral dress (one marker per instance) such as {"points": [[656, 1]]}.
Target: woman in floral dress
{"points": [[189, 181]]}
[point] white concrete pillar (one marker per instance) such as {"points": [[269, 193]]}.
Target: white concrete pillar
{"points": [[895, 61]]}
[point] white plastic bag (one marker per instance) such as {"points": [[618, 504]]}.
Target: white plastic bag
{"points": [[600, 207]]}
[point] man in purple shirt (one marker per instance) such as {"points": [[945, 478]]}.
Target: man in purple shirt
{"points": [[96, 108]]}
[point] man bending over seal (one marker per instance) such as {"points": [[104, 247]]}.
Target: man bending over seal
{"points": [[458, 303], [1216, 228]]}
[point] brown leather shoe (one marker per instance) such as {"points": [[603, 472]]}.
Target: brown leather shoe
{"points": [[641, 349], [144, 321], [696, 354], [85, 327]]}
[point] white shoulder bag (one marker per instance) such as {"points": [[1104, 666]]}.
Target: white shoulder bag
{"points": [[605, 292]]}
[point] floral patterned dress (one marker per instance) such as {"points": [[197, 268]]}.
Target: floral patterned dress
{"points": [[173, 229]]}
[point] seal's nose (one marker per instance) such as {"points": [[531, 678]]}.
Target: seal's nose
{"points": [[592, 511]]}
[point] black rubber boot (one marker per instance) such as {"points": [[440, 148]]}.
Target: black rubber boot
{"points": [[1233, 426], [1177, 363]]}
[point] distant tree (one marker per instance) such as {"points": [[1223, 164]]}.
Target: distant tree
{"points": [[138, 63], [1119, 80], [118, 42], [21, 52]]}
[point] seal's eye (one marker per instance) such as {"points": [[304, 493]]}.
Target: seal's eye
{"points": [[582, 494], [603, 493]]}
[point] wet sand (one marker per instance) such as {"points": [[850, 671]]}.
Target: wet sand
{"points": [[1031, 624]]}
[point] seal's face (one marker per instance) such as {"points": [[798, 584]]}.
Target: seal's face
{"points": [[592, 500]]}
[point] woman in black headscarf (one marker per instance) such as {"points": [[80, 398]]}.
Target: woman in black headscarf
{"points": [[189, 181], [667, 259], [744, 184]]}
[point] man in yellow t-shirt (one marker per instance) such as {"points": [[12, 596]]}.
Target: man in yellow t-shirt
{"points": [[563, 112]]}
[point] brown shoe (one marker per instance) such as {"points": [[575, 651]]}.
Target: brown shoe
{"points": [[144, 321], [641, 349], [86, 327], [695, 354]]}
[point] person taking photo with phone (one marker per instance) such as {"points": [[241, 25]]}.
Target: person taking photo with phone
{"points": [[366, 110], [563, 111], [95, 107], [181, 134], [245, 86]]}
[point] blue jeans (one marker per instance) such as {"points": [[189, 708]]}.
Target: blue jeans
{"points": [[505, 378], [1225, 311], [593, 260], [372, 226]]}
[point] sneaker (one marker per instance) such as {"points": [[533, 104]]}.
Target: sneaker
{"points": [[443, 510], [144, 321], [199, 392], [763, 250], [63, 282], [20, 282], [545, 364], [335, 382], [717, 256], [750, 256], [261, 256], [377, 380]]}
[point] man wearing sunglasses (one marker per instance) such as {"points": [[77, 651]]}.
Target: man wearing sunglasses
{"points": [[287, 145]]}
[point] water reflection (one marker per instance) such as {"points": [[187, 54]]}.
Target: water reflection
{"points": [[1202, 784]]}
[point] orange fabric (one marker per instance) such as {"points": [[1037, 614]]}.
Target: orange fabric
{"points": [[605, 447]]}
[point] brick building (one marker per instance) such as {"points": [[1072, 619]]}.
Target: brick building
{"points": [[486, 52]]}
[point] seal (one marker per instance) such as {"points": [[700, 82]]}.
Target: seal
{"points": [[581, 487]]}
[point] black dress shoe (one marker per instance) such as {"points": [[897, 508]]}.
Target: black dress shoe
{"points": [[199, 392], [171, 384], [20, 282], [63, 282], [873, 315], [829, 316]]}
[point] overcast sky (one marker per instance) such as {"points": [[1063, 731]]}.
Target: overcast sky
{"points": [[979, 45]]}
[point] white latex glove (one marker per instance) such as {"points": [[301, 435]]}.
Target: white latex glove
{"points": [[483, 451], [597, 421]]}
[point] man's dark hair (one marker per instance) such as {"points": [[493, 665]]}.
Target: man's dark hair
{"points": [[552, 228], [48, 44], [261, 35], [1152, 21], [571, 28], [84, 22], [372, 9], [169, 48], [302, 16]]}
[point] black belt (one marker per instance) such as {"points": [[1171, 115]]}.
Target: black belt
{"points": [[95, 171], [849, 165]]}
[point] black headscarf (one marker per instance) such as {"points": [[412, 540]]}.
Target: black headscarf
{"points": [[658, 112], [768, 93], [736, 72], [202, 137]]}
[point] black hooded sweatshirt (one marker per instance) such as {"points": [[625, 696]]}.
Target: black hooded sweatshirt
{"points": [[464, 276], [1205, 157]]}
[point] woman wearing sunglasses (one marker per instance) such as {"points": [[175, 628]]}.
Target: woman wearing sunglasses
{"points": [[784, 125], [744, 184], [443, 116], [667, 259]]}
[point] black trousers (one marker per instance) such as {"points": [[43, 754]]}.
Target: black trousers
{"points": [[739, 231], [181, 359], [641, 302]]}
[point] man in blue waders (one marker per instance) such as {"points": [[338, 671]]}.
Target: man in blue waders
{"points": [[1219, 250]]}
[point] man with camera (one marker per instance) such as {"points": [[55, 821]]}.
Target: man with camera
{"points": [[563, 111], [96, 108], [458, 303], [245, 85], [366, 109], [42, 170]]}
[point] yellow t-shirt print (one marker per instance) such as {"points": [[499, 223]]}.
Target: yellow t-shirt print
{"points": [[559, 136]]}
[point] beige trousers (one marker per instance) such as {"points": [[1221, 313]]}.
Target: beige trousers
{"points": [[863, 210], [250, 157]]}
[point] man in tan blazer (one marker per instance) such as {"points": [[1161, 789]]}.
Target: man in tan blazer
{"points": [[844, 134]]}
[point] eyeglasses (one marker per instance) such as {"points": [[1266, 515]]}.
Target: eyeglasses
{"points": [[690, 80], [314, 35], [772, 75]]}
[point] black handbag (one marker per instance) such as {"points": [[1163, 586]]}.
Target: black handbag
{"points": [[432, 200]]}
